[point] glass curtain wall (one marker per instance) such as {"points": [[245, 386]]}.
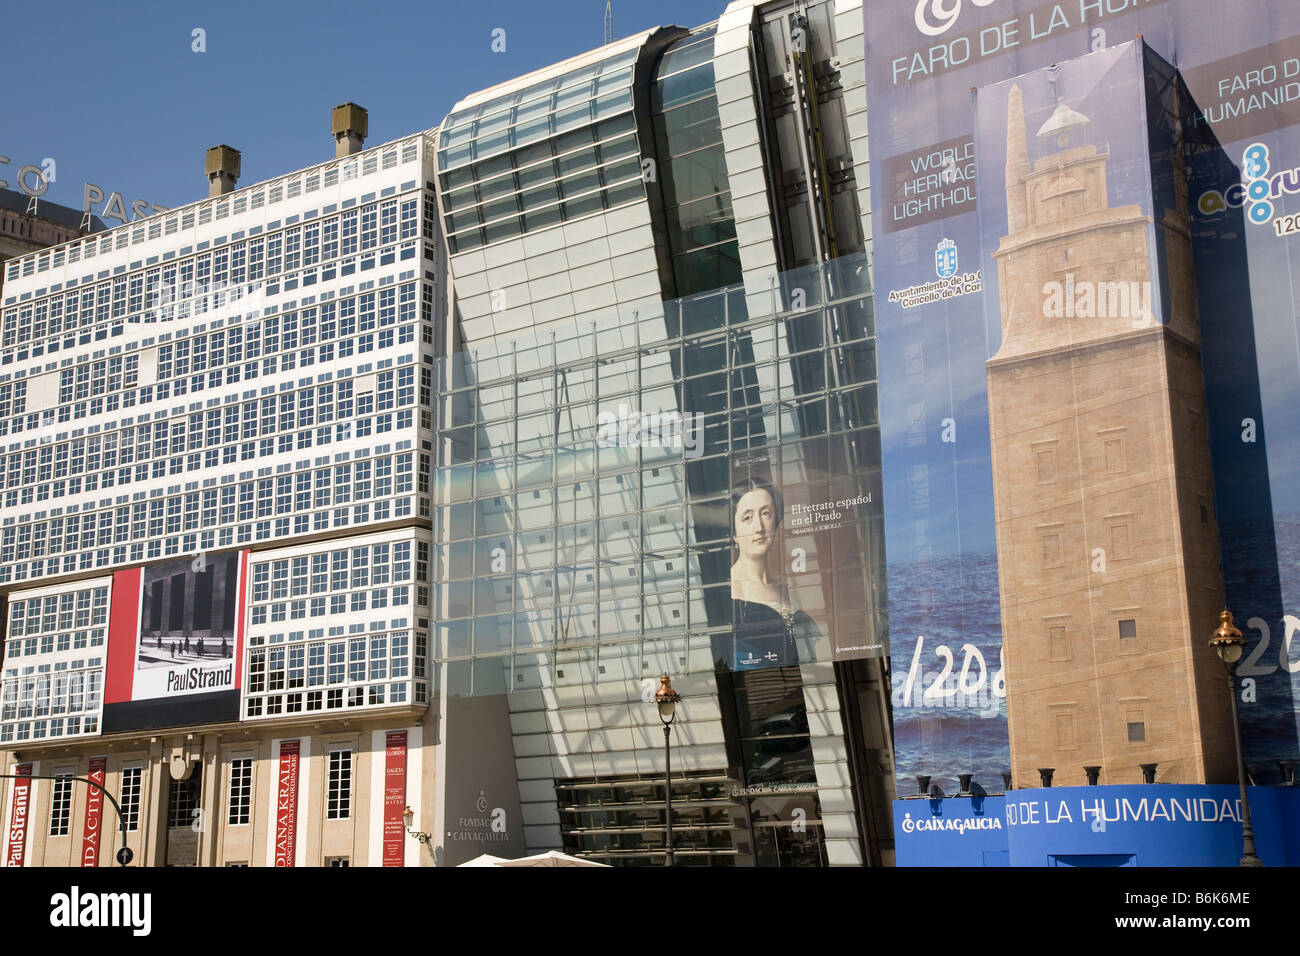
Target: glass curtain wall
{"points": [[572, 542]]}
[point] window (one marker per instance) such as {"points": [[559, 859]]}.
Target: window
{"points": [[183, 806], [1052, 551], [1128, 628], [1059, 642], [1137, 732], [1121, 545], [241, 790], [338, 804], [60, 806], [1114, 455], [1065, 738], [1046, 466], [336, 861]]}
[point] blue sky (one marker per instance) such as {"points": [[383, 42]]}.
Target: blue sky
{"points": [[117, 97]]}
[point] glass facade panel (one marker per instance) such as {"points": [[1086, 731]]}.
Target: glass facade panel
{"points": [[611, 523]]}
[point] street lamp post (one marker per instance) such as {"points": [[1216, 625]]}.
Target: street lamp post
{"points": [[667, 700], [1229, 644], [408, 817]]}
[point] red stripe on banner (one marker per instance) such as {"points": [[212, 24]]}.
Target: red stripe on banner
{"points": [[239, 619], [94, 813], [286, 804], [20, 807], [123, 635], [394, 798]]}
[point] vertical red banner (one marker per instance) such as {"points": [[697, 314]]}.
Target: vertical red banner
{"points": [[394, 798], [19, 808], [286, 803], [94, 813], [123, 635]]}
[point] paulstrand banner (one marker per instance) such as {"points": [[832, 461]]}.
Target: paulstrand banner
{"points": [[954, 212], [175, 643]]}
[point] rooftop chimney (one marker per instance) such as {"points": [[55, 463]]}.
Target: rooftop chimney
{"points": [[349, 123], [222, 167]]}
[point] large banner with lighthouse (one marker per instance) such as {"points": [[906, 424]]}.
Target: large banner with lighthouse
{"points": [[939, 315]]}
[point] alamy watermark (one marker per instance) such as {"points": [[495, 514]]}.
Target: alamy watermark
{"points": [[1084, 299], [631, 428], [207, 301]]}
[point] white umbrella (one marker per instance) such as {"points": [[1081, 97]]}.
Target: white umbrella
{"points": [[551, 858]]}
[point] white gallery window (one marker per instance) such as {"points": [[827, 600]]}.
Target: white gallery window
{"points": [[241, 790], [60, 806], [338, 805]]}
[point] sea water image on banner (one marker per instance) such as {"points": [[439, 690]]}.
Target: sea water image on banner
{"points": [[175, 643]]}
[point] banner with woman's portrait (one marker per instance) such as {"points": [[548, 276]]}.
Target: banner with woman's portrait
{"points": [[802, 523]]}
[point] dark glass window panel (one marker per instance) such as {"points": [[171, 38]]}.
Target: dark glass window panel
{"points": [[612, 79], [456, 155], [537, 175], [628, 192], [458, 177], [623, 171], [708, 393], [782, 846], [618, 148], [706, 312], [693, 176], [582, 183], [466, 241], [567, 118], [610, 103], [491, 167], [584, 206], [682, 88], [576, 160], [689, 127], [689, 51], [607, 129], [499, 208], [704, 222], [572, 140], [501, 230], [541, 196], [500, 186], [492, 143], [541, 218], [467, 217], [532, 129], [458, 199], [707, 268], [528, 155]]}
